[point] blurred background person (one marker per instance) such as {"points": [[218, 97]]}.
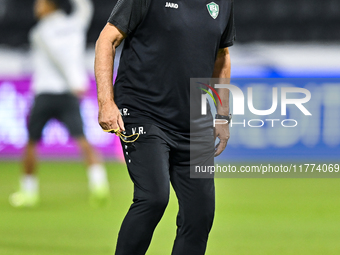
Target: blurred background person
{"points": [[59, 79]]}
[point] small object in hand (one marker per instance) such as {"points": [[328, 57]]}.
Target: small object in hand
{"points": [[112, 131], [124, 138]]}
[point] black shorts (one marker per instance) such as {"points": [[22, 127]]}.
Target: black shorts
{"points": [[63, 107]]}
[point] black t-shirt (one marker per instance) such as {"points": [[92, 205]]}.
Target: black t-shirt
{"points": [[167, 43]]}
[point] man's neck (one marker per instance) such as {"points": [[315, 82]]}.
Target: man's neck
{"points": [[47, 14]]}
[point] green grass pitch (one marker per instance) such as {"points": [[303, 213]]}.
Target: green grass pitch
{"points": [[253, 216]]}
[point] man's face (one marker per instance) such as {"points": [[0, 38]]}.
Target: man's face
{"points": [[42, 7]]}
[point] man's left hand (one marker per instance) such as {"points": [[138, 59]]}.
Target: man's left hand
{"points": [[222, 132]]}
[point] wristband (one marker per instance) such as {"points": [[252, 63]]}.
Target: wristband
{"points": [[222, 117]]}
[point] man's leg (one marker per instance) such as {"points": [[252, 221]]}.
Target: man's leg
{"points": [[196, 213], [90, 155], [69, 114], [196, 198], [30, 158], [98, 182], [28, 195], [147, 160]]}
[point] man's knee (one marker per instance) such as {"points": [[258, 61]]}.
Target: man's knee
{"points": [[199, 215], [155, 203], [208, 203], [158, 201], [202, 217]]}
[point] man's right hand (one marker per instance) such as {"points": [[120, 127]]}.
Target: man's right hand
{"points": [[109, 117]]}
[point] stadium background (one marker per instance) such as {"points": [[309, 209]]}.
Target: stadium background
{"points": [[275, 39]]}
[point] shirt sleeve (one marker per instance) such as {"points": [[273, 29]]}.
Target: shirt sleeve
{"points": [[229, 34], [127, 14]]}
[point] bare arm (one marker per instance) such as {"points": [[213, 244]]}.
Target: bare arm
{"points": [[83, 11], [109, 116], [222, 70]]}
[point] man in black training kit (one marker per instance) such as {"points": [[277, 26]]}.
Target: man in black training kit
{"points": [[166, 44]]}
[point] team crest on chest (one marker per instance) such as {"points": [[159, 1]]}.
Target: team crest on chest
{"points": [[213, 9]]}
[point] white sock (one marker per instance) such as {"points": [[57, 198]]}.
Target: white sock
{"points": [[29, 183], [97, 175]]}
